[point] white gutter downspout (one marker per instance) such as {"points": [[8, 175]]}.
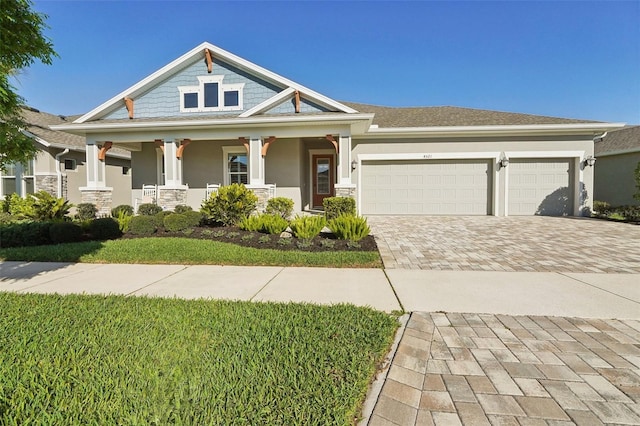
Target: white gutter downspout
{"points": [[59, 172]]}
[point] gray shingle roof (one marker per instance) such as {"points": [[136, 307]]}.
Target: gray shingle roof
{"points": [[626, 139], [39, 123], [452, 116]]}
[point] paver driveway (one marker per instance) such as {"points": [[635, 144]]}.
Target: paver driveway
{"points": [[489, 243], [454, 369]]}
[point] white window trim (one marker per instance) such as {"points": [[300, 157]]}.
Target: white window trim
{"points": [[199, 90], [226, 150], [20, 177]]}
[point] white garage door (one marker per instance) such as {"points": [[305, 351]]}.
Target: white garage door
{"points": [[454, 187], [540, 186]]}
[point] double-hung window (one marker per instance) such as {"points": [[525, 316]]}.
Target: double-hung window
{"points": [[236, 165], [211, 94], [17, 179]]}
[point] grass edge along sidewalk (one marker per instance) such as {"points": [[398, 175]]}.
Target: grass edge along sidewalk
{"points": [[187, 251], [136, 360]]}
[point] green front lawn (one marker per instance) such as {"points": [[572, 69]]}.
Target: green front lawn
{"points": [[186, 251], [131, 360]]}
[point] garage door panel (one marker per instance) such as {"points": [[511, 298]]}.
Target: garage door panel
{"points": [[540, 186], [426, 187]]}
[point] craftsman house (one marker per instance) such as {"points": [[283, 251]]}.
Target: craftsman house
{"points": [[212, 118], [60, 164]]}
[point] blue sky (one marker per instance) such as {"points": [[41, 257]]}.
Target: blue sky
{"points": [[567, 59]]}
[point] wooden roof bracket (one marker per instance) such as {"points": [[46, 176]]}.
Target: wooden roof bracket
{"points": [[296, 95], [209, 59], [103, 151], [244, 142], [159, 144], [331, 139], [128, 102], [182, 146], [267, 143]]}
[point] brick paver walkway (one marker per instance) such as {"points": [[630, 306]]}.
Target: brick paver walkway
{"points": [[471, 369], [488, 243]]}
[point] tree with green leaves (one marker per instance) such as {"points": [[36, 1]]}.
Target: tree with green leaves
{"points": [[22, 42]]}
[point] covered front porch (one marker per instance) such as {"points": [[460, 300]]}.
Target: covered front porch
{"points": [[303, 164]]}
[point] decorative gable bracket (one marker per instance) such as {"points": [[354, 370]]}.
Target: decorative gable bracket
{"points": [[209, 59], [331, 139], [102, 154], [267, 144]]}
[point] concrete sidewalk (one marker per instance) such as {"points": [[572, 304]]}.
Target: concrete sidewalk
{"points": [[588, 295]]}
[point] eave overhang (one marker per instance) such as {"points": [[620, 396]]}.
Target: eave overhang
{"points": [[358, 123], [591, 129]]}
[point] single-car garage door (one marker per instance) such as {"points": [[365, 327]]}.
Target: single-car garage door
{"points": [[456, 187], [540, 186]]}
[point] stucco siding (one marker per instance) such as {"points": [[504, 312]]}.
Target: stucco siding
{"points": [[120, 182], [614, 180], [75, 178], [144, 166], [282, 167], [202, 163]]}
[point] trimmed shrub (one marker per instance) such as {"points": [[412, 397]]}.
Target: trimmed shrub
{"points": [[149, 209], [347, 227], [194, 218], [65, 232], [338, 206], [273, 224], [86, 211], [601, 207], [48, 207], [230, 204], [6, 218], [143, 225], [176, 222], [115, 212], [19, 234], [181, 209], [159, 217], [307, 226], [281, 206], [106, 228]]}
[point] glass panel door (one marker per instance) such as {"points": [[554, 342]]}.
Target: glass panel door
{"points": [[323, 178]]}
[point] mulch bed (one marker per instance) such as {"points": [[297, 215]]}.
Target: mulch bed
{"points": [[285, 241]]}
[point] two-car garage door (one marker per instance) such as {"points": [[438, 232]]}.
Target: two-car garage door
{"points": [[464, 187], [449, 187]]}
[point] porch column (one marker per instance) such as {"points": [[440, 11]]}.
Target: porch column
{"points": [[344, 187], [344, 159], [172, 166], [96, 170], [96, 192], [256, 161]]}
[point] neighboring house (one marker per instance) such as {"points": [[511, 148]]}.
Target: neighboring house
{"points": [[60, 164], [211, 117], [618, 156]]}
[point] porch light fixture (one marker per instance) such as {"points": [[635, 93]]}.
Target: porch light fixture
{"points": [[354, 163], [504, 162], [589, 161]]}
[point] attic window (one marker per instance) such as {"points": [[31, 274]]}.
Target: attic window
{"points": [[190, 100], [211, 94]]}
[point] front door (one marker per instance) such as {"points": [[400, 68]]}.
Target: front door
{"points": [[323, 178]]}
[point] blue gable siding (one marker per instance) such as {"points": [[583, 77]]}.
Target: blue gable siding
{"points": [[163, 100]]}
